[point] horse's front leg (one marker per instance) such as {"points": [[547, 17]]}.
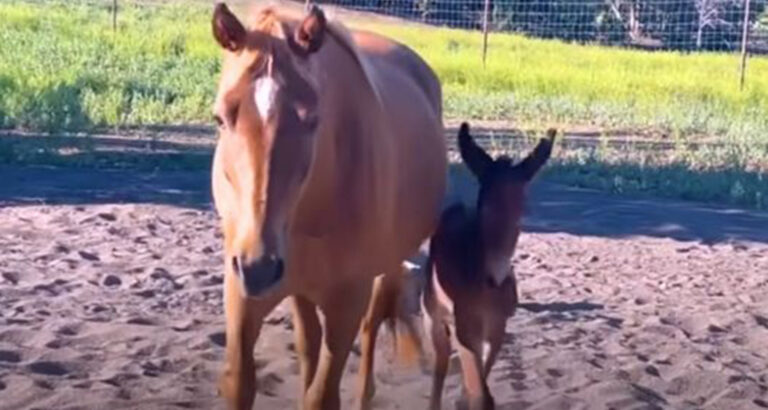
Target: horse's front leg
{"points": [[343, 310], [308, 335], [244, 319]]}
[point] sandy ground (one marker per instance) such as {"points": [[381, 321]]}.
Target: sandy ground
{"points": [[110, 297]]}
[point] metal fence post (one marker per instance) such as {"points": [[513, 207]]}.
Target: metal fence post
{"points": [[486, 11], [114, 15], [744, 39]]}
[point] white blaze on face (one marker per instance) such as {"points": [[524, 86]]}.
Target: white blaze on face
{"points": [[264, 95]]}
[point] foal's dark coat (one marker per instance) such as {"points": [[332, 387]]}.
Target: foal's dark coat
{"points": [[471, 289]]}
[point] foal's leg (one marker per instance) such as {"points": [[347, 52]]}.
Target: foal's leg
{"points": [[441, 343], [495, 337], [244, 316], [308, 334], [343, 310], [469, 345], [377, 310]]}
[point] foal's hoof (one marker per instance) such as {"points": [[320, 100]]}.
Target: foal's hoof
{"points": [[487, 403], [462, 403]]}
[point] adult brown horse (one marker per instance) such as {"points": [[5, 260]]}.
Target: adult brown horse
{"points": [[329, 170]]}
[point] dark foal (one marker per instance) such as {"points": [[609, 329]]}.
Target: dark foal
{"points": [[471, 289]]}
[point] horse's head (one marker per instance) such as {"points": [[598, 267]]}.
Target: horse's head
{"points": [[266, 109], [501, 198]]}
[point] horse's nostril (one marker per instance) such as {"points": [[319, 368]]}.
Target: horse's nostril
{"points": [[279, 266], [259, 274]]}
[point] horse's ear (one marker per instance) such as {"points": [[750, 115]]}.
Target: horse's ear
{"points": [[474, 157], [310, 33], [536, 159], [227, 29]]}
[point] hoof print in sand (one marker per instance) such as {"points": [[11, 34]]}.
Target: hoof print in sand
{"points": [[112, 281], [147, 293], [269, 383], [120, 379], [185, 326], [109, 217], [11, 277], [142, 321], [89, 256], [48, 368], [9, 356], [218, 338]]}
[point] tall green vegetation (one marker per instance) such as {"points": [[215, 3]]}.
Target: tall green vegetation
{"points": [[63, 68]]}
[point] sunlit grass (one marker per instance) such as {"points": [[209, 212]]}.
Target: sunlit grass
{"points": [[64, 68], [542, 81]]}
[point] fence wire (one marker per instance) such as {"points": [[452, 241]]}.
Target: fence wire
{"points": [[684, 25], [653, 24]]}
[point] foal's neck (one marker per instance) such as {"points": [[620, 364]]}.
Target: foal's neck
{"points": [[492, 257]]}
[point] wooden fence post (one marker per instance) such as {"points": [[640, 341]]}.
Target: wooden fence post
{"points": [[744, 40], [486, 12], [114, 15]]}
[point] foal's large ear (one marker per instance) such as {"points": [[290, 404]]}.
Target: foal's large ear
{"points": [[227, 29], [474, 157], [310, 33], [536, 159]]}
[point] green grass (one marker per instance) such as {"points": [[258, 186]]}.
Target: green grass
{"points": [[64, 68], [544, 81]]}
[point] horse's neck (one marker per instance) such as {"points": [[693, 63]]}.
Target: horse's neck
{"points": [[344, 152]]}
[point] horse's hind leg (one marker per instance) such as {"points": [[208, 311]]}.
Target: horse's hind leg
{"points": [[244, 319], [343, 310], [308, 334]]}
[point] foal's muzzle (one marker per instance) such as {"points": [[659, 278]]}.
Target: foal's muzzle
{"points": [[258, 275]]}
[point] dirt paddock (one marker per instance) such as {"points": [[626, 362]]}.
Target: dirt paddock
{"points": [[110, 297]]}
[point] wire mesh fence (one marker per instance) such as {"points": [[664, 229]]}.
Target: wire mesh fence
{"points": [[678, 25], [685, 25], [652, 24]]}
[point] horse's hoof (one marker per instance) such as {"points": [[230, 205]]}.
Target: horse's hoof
{"points": [[365, 401]]}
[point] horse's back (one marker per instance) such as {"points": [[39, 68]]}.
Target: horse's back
{"points": [[412, 109], [395, 59]]}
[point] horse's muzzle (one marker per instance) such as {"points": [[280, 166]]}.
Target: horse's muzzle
{"points": [[260, 275]]}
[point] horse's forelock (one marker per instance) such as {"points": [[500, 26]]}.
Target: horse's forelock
{"points": [[269, 21]]}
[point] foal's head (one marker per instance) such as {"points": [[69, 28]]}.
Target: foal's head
{"points": [[501, 198], [266, 109]]}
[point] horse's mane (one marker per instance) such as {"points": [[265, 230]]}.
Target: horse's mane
{"points": [[344, 38], [264, 18]]}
